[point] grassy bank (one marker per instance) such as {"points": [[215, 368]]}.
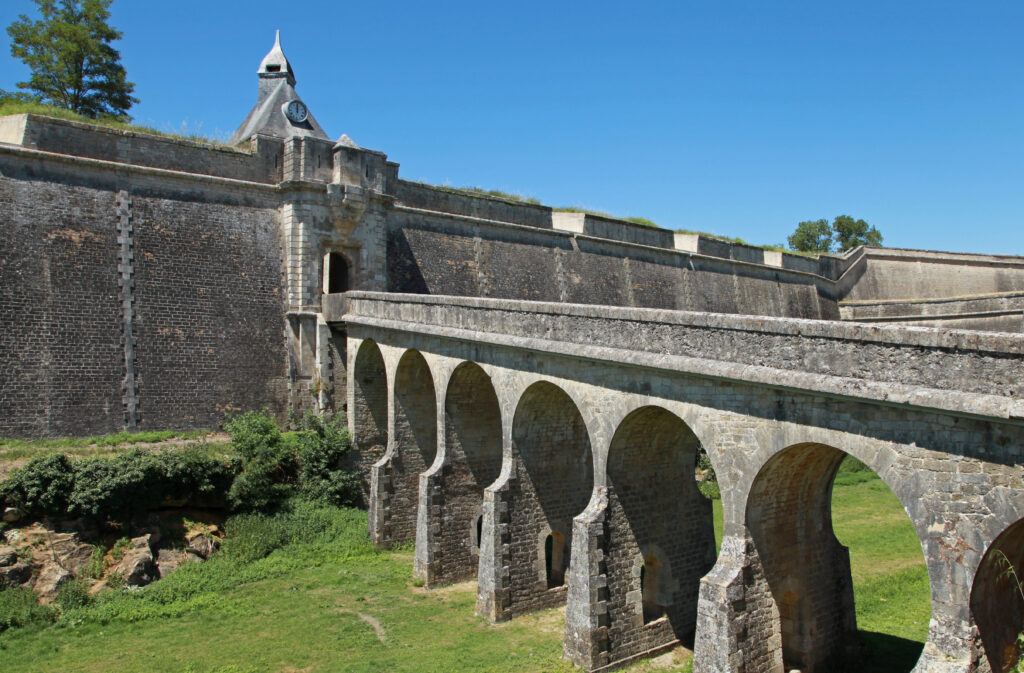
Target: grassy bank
{"points": [[305, 591]]}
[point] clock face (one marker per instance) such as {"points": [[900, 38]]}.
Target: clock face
{"points": [[296, 111]]}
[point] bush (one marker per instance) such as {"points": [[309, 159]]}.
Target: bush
{"points": [[268, 466], [117, 487], [321, 454], [18, 607], [275, 467], [41, 486], [73, 594]]}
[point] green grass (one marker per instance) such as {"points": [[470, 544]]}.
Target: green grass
{"points": [[15, 449], [300, 592], [12, 107]]}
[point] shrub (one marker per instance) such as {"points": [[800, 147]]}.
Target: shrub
{"points": [[73, 594], [43, 485], [268, 466], [117, 487], [321, 455], [18, 607]]}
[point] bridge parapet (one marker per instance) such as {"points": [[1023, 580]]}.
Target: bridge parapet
{"points": [[964, 372]]}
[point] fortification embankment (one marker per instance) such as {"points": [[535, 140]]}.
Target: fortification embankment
{"points": [[431, 252]]}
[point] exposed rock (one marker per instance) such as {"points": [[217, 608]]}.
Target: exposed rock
{"points": [[49, 580], [12, 514], [137, 565], [8, 556], [12, 536], [142, 542], [15, 574], [76, 561], [169, 560], [202, 544]]}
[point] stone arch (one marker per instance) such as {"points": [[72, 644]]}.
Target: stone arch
{"points": [[369, 413], [801, 577], [806, 585], [997, 608], [552, 483], [472, 462], [414, 444], [659, 525]]}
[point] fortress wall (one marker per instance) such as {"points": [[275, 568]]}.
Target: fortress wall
{"points": [[61, 361], [890, 273], [433, 253], [210, 310], [263, 163], [430, 197], [207, 299]]}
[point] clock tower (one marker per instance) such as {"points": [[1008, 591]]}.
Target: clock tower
{"points": [[279, 112]]}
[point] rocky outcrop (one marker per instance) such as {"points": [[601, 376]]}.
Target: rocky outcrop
{"points": [[169, 560], [50, 578], [136, 566], [202, 544]]}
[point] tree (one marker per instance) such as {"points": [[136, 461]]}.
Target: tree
{"points": [[811, 236], [847, 233], [850, 233], [73, 65]]}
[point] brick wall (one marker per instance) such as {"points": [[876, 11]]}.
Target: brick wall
{"points": [[203, 276], [472, 463], [61, 360], [552, 484], [412, 449]]}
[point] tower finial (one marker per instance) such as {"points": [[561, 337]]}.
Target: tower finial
{"points": [[275, 65]]}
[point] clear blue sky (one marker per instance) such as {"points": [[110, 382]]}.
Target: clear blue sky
{"points": [[739, 118]]}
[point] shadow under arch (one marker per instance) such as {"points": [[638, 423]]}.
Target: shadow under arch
{"points": [[802, 577], [997, 607], [369, 412], [660, 539], [414, 443], [472, 462], [553, 480]]}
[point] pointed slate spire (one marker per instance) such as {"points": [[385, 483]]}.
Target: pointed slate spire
{"points": [[276, 91]]}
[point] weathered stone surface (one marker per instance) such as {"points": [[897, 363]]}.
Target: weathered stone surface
{"points": [[8, 556], [15, 574], [77, 560], [203, 545], [12, 514], [50, 578], [169, 560], [136, 567]]}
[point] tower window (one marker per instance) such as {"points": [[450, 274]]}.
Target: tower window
{"points": [[273, 68]]}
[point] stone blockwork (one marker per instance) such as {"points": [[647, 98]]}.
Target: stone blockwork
{"points": [[639, 573]]}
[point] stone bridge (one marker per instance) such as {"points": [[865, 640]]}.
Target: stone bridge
{"points": [[548, 449]]}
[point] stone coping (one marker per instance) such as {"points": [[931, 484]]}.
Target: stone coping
{"points": [[898, 335], [887, 393]]}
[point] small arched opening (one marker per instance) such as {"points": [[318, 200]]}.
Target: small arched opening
{"points": [[650, 586], [555, 559]]}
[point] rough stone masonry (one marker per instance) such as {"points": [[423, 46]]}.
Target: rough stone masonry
{"points": [[527, 388]]}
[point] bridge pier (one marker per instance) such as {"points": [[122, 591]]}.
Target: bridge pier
{"points": [[450, 523]]}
